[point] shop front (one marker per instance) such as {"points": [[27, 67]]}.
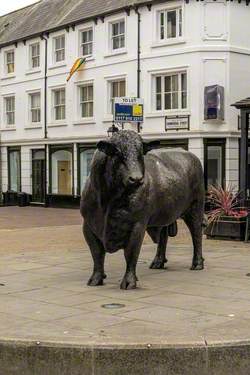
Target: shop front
{"points": [[61, 175]]}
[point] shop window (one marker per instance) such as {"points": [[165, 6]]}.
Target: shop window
{"points": [[214, 162], [248, 167], [85, 158], [174, 143], [14, 169], [61, 171]]}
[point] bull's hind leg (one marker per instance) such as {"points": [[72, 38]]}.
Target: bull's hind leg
{"points": [[193, 219], [160, 236], [98, 255]]}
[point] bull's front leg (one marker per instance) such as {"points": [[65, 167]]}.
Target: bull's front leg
{"points": [[131, 253], [98, 255]]}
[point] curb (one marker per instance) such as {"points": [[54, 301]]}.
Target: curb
{"points": [[34, 358]]}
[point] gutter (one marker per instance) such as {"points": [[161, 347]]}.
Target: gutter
{"points": [[94, 17], [77, 22]]}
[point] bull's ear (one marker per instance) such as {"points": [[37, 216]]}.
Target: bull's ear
{"points": [[107, 147], [148, 146]]}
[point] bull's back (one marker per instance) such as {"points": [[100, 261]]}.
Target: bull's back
{"points": [[176, 163], [177, 180]]}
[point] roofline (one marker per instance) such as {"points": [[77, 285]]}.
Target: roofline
{"points": [[77, 22]]}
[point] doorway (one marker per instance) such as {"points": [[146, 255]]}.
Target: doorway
{"points": [[64, 177], [38, 176]]}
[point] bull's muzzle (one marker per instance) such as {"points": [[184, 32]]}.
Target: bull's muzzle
{"points": [[135, 180]]}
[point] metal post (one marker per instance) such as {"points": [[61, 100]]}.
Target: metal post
{"points": [[244, 153], [138, 59]]}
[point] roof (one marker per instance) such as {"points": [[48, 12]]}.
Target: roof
{"points": [[242, 104], [49, 15]]}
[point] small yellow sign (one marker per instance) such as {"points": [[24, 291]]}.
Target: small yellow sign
{"points": [[137, 110]]}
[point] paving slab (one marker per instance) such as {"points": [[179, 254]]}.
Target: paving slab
{"points": [[176, 322]]}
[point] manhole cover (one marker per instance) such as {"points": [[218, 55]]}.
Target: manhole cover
{"points": [[1, 284], [248, 274], [113, 306]]}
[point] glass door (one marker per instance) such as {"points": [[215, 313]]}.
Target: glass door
{"points": [[38, 175], [214, 162]]}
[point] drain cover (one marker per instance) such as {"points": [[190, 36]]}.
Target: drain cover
{"points": [[113, 306]]}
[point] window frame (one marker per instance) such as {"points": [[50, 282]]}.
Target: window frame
{"points": [[55, 50], [81, 43], [35, 108], [82, 102], [208, 142], [162, 93], [179, 24], [9, 150], [38, 56], [6, 63], [81, 147], [13, 111], [119, 36], [54, 106], [110, 91]]}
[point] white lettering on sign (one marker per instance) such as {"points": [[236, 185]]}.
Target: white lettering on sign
{"points": [[128, 101]]}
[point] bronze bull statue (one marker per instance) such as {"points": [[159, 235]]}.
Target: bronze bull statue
{"points": [[130, 191]]}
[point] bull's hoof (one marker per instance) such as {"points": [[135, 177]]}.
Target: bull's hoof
{"points": [[197, 265], [97, 279], [158, 264], [129, 282]]}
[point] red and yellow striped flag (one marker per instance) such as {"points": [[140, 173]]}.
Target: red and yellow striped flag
{"points": [[77, 64]]}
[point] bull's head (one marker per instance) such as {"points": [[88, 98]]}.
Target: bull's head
{"points": [[125, 161]]}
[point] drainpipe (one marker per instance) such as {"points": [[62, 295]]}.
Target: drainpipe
{"points": [[1, 196], [138, 59], [45, 114]]}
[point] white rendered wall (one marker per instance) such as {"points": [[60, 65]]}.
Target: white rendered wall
{"points": [[214, 50]]}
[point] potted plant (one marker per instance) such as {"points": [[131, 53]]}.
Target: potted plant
{"points": [[225, 219]]}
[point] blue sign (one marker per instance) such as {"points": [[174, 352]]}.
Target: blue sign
{"points": [[128, 110]]}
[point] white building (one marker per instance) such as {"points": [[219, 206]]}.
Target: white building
{"points": [[185, 46]]}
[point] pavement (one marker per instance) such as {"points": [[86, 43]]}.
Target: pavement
{"points": [[44, 299]]}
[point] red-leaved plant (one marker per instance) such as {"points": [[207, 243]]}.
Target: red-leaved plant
{"points": [[225, 202]]}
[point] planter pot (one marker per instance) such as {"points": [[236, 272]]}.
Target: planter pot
{"points": [[227, 227]]}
